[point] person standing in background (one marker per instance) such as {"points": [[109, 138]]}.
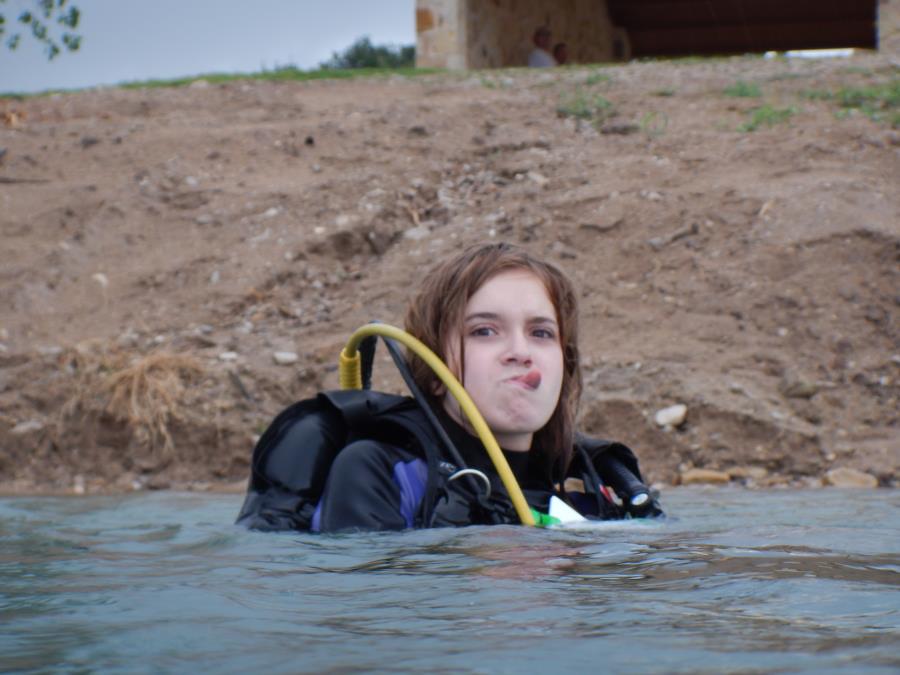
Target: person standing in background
{"points": [[540, 56], [560, 53]]}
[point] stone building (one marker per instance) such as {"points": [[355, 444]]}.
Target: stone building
{"points": [[460, 34]]}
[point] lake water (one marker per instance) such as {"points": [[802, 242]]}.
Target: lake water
{"points": [[738, 581]]}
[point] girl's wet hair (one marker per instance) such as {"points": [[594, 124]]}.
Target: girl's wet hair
{"points": [[435, 316]]}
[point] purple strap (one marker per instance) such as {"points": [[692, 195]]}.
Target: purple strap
{"points": [[411, 478]]}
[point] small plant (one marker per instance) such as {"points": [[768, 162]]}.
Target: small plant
{"points": [[870, 100], [596, 78], [488, 83], [816, 94], [585, 107], [878, 102], [147, 394], [664, 92], [766, 115], [787, 76], [654, 124], [743, 89]]}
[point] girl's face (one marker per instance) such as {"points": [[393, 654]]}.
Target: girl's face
{"points": [[513, 357]]}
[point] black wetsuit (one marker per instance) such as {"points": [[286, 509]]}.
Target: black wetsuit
{"points": [[370, 461]]}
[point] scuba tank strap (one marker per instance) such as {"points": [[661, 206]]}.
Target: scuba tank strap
{"points": [[433, 455]]}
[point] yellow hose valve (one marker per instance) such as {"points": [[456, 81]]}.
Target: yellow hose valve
{"points": [[350, 370]]}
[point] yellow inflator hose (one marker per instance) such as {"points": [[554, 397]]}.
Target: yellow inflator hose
{"points": [[350, 374]]}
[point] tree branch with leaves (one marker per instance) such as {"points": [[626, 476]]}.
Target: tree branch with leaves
{"points": [[50, 22]]}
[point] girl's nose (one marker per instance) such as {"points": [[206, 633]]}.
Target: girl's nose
{"points": [[517, 349]]}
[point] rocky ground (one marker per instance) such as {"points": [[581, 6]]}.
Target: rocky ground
{"points": [[179, 264]]}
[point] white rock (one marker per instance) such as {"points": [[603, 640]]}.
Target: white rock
{"points": [[128, 339], [737, 388], [23, 428], [214, 277], [416, 233], [285, 358], [265, 234], [538, 178], [846, 477], [673, 416], [228, 356], [101, 279]]}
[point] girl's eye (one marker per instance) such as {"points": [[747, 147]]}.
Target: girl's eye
{"points": [[481, 331], [544, 333]]}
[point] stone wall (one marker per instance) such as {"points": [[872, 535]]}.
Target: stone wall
{"points": [[889, 26], [497, 33], [440, 34]]}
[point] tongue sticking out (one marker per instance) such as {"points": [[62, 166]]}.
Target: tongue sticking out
{"points": [[531, 379]]}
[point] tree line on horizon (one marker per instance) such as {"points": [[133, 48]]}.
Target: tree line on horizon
{"points": [[363, 54]]}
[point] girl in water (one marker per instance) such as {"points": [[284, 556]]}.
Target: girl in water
{"points": [[506, 324]]}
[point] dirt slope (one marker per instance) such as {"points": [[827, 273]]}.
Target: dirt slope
{"points": [[160, 246]]}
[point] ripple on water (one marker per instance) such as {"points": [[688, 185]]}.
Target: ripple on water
{"points": [[738, 581]]}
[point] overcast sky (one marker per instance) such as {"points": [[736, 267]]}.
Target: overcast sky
{"points": [[124, 40]]}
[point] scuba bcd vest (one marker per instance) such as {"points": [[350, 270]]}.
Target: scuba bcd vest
{"points": [[292, 459]]}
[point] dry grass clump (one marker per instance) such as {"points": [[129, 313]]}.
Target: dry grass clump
{"points": [[147, 392]]}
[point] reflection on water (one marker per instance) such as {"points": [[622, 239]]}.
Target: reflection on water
{"points": [[737, 581]]}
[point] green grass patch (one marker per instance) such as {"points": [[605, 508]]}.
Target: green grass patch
{"points": [[584, 106], [743, 89], [766, 116], [286, 74], [878, 102], [664, 92], [816, 94], [788, 76], [596, 78], [881, 96]]}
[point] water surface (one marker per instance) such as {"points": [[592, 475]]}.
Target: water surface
{"points": [[737, 581]]}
